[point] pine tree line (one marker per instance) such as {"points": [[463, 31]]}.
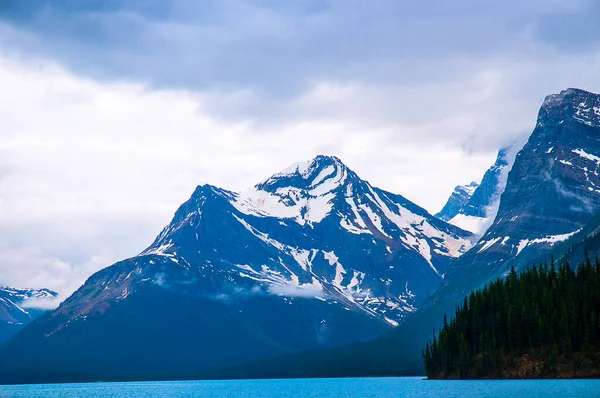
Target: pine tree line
{"points": [[541, 323]]}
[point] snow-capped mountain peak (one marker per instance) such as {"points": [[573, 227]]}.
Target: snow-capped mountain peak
{"points": [[303, 192], [27, 294], [310, 192], [573, 103], [308, 175], [311, 257], [19, 307], [314, 229]]}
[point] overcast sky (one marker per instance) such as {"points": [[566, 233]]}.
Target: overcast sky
{"points": [[111, 112]]}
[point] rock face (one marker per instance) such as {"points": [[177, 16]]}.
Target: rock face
{"points": [[553, 191], [479, 211], [311, 257], [585, 242], [18, 308], [457, 201]]}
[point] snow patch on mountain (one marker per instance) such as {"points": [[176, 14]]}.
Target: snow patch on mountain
{"points": [[308, 202], [285, 203], [587, 114], [586, 155], [551, 240], [487, 244]]}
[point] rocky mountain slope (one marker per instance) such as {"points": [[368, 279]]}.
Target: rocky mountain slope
{"points": [[584, 243], [457, 201], [478, 212], [311, 257], [553, 191]]}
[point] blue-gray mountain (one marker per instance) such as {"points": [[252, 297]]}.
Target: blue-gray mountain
{"points": [[553, 191], [552, 195], [311, 257], [478, 209], [18, 308], [457, 201]]}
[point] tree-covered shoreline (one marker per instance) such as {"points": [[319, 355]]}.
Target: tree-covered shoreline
{"points": [[540, 323]]}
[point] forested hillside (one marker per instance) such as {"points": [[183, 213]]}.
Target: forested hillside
{"points": [[542, 322]]}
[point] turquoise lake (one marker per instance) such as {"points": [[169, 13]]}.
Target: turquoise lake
{"points": [[314, 388]]}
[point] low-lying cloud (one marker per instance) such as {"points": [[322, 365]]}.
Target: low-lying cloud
{"points": [[42, 303], [314, 289]]}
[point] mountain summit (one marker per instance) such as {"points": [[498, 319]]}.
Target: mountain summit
{"points": [[316, 229], [313, 256], [18, 307]]}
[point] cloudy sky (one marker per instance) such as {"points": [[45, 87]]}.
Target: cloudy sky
{"points": [[111, 112]]}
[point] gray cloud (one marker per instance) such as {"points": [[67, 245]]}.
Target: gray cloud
{"points": [[277, 49], [573, 28], [264, 60]]}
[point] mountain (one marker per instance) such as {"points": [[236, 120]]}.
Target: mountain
{"points": [[480, 209], [312, 257], [552, 195], [18, 308], [457, 201], [553, 191]]}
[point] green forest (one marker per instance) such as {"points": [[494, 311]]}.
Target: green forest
{"points": [[540, 323]]}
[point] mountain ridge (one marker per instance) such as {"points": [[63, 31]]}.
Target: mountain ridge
{"points": [[310, 257], [18, 308], [555, 184]]}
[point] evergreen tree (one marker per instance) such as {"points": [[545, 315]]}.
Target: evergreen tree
{"points": [[546, 316]]}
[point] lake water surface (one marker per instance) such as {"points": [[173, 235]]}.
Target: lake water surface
{"points": [[313, 388]]}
